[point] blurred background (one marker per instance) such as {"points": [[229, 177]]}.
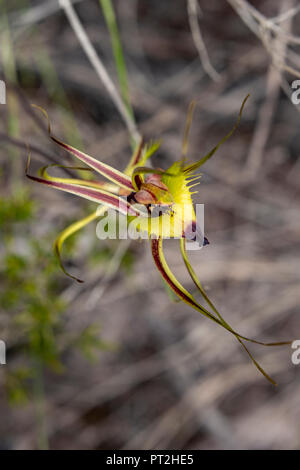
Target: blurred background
{"points": [[115, 363]]}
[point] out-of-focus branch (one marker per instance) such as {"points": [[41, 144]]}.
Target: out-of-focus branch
{"points": [[286, 15], [46, 156], [111, 21], [266, 113], [31, 16], [193, 11], [270, 33], [99, 68]]}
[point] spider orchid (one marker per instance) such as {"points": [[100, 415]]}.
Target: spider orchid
{"points": [[133, 193]]}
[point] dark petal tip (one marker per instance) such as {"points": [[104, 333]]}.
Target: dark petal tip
{"points": [[205, 241]]}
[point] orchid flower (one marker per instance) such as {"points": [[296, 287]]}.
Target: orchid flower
{"points": [[134, 193]]}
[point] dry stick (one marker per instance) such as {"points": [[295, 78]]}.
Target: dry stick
{"points": [[99, 68], [265, 119], [193, 9], [205, 393], [263, 125], [182, 375], [265, 28], [256, 20], [147, 369], [31, 16], [286, 15]]}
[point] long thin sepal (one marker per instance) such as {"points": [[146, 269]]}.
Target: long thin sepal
{"points": [[187, 128], [95, 195], [66, 233], [224, 323], [182, 293], [205, 296], [109, 172], [194, 166], [257, 365], [110, 187]]}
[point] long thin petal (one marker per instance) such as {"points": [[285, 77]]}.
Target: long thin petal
{"points": [[194, 166], [66, 233], [95, 195], [110, 187], [188, 123], [109, 172], [257, 365]]}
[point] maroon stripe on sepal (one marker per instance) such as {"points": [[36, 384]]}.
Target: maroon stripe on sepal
{"points": [[106, 170], [89, 193]]}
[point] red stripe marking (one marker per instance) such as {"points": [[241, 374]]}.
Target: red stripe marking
{"points": [[103, 198], [109, 172]]}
